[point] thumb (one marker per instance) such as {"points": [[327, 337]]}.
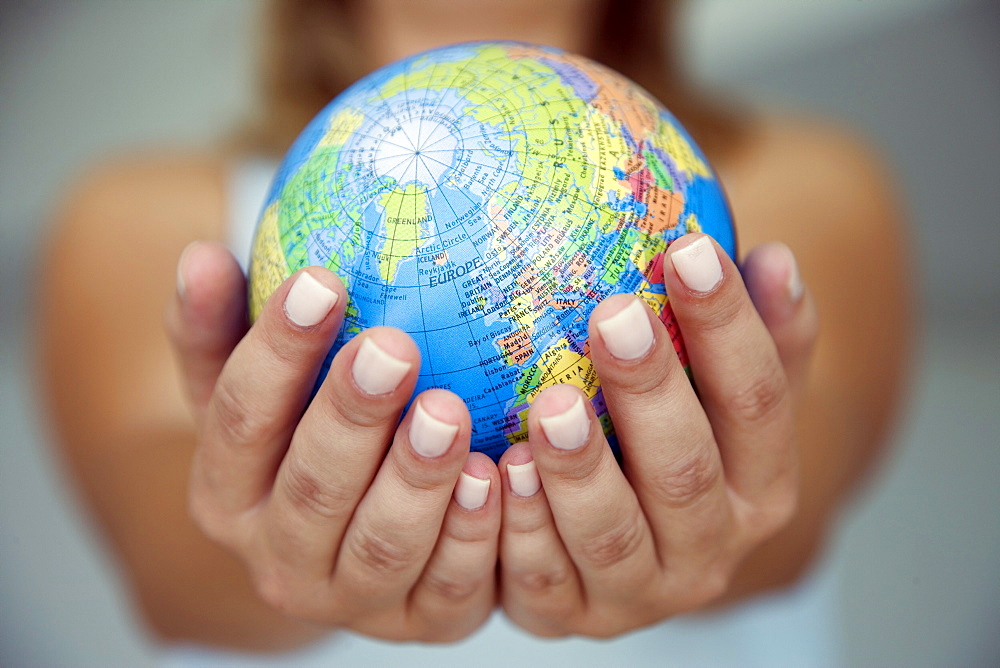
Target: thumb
{"points": [[784, 304], [207, 318]]}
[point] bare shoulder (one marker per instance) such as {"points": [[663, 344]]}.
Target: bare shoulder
{"points": [[107, 275], [150, 198], [807, 181], [823, 190]]}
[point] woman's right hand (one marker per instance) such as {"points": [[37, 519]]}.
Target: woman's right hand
{"points": [[343, 515]]}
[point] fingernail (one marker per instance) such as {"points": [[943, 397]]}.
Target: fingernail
{"points": [[429, 436], [308, 301], [795, 286], [698, 265], [627, 334], [568, 430], [376, 371], [181, 270], [471, 492], [524, 480]]}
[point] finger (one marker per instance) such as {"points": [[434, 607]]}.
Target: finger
{"points": [[396, 525], [457, 589], [539, 585], [263, 388], [668, 448], [335, 453], [208, 317], [787, 309], [595, 509], [735, 366]]}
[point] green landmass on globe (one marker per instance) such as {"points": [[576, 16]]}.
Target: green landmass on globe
{"points": [[484, 197]]}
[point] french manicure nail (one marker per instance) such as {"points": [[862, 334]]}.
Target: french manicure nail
{"points": [[698, 265], [182, 270], [524, 480], [429, 436], [795, 287], [471, 492], [376, 371], [569, 429], [308, 301], [627, 334]]}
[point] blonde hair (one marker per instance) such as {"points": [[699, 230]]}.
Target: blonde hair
{"points": [[312, 53]]}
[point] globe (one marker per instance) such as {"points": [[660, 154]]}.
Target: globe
{"points": [[484, 197]]}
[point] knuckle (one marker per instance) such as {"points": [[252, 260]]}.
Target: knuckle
{"points": [[311, 495], [712, 585], [614, 545], [421, 479], [698, 587], [541, 583], [275, 344], [275, 590], [720, 310], [761, 399], [380, 554], [213, 522], [360, 415], [685, 481], [581, 474], [205, 516], [784, 506], [453, 590], [775, 513], [233, 418], [651, 385]]}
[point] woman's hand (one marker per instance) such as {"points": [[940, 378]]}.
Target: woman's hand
{"points": [[709, 471], [341, 517]]}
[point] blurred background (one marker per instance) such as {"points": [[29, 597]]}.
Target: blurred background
{"points": [[919, 551]]}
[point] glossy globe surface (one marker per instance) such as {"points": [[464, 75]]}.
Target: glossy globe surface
{"points": [[485, 197]]}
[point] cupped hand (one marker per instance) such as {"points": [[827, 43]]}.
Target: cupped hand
{"points": [[709, 470], [343, 515]]}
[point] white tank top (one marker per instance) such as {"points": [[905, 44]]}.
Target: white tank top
{"points": [[798, 627]]}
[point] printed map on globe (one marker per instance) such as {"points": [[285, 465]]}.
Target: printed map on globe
{"points": [[484, 197]]}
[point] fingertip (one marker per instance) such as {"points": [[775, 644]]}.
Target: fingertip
{"points": [[476, 481], [773, 280], [438, 420], [561, 415], [309, 299], [479, 465], [516, 455], [394, 342], [207, 274], [622, 323], [383, 359], [444, 405], [695, 260], [555, 400]]}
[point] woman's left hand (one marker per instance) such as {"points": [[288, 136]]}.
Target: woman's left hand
{"points": [[708, 471]]}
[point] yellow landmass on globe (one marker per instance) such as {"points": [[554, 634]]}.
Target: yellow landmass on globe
{"points": [[406, 217], [597, 146], [680, 149], [342, 127], [556, 365], [691, 224], [269, 267], [656, 300], [559, 364]]}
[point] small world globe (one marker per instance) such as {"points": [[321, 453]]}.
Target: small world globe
{"points": [[484, 198]]}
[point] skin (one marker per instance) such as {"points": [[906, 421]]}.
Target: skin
{"points": [[241, 521]]}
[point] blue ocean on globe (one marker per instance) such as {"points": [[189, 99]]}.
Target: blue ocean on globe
{"points": [[484, 197]]}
